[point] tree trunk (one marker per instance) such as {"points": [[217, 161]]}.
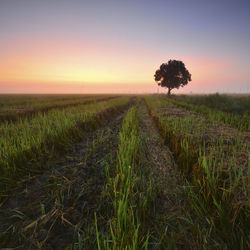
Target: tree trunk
{"points": [[169, 90]]}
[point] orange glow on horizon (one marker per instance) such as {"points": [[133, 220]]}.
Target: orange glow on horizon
{"points": [[72, 62], [57, 66]]}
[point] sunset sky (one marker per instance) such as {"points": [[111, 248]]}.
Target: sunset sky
{"points": [[81, 46]]}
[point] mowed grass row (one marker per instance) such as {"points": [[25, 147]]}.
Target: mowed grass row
{"points": [[128, 191], [12, 101], [215, 160], [235, 103], [240, 121], [31, 140], [15, 109]]}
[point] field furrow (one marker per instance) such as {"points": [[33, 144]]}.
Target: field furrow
{"points": [[126, 173], [235, 120], [171, 224], [127, 198], [14, 113], [56, 208], [145, 192], [24, 146], [214, 157]]}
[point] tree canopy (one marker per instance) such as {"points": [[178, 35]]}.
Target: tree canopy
{"points": [[172, 74]]}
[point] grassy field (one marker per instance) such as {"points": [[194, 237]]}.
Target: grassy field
{"points": [[13, 108], [124, 172]]}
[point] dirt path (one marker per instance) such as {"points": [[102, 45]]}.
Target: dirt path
{"points": [[170, 204], [159, 159], [58, 206]]}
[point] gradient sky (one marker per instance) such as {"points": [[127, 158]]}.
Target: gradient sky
{"points": [[81, 46]]}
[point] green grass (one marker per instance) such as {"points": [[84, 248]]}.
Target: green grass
{"points": [[217, 174], [210, 146], [16, 107], [8, 101], [127, 192], [30, 140], [236, 104], [233, 111]]}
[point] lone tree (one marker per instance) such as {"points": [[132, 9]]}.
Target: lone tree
{"points": [[172, 75]]}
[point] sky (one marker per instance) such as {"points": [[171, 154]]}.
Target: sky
{"points": [[90, 46]]}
